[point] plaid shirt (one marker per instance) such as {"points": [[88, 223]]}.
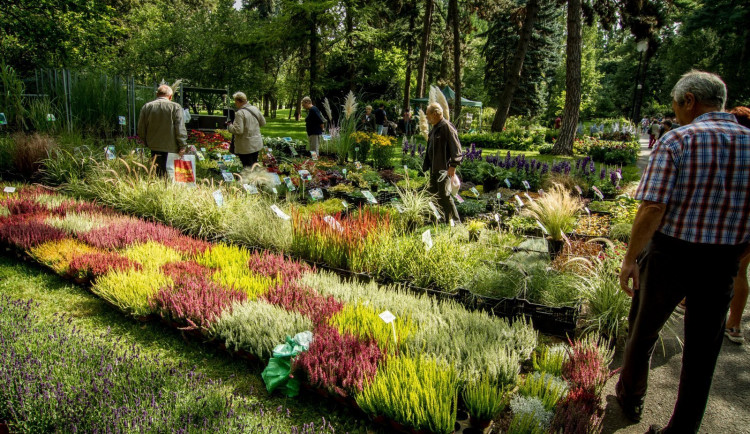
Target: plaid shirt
{"points": [[702, 172]]}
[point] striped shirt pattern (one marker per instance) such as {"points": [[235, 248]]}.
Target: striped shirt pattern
{"points": [[702, 172]]}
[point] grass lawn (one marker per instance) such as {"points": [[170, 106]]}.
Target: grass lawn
{"points": [[28, 281], [285, 128]]}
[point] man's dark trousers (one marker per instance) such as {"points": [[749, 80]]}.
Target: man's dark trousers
{"points": [[671, 269], [445, 201], [160, 161]]}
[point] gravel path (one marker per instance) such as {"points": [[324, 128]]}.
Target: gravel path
{"points": [[728, 408]]}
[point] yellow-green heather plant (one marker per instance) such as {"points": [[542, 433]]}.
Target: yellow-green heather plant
{"points": [[548, 388], [76, 223], [58, 254], [131, 290], [363, 321], [556, 210], [222, 255], [484, 398], [549, 359], [420, 392], [243, 280], [152, 255]]}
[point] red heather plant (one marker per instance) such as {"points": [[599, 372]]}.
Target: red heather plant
{"points": [[340, 364], [97, 264], [24, 231], [125, 233], [194, 301], [305, 300], [578, 413], [272, 265], [176, 270], [74, 206], [587, 367], [19, 206]]}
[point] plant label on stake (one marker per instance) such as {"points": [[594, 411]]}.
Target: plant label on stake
{"points": [[578, 189], [228, 177], [316, 194], [281, 214], [406, 169], [453, 224], [250, 188], [314, 155], [9, 189], [275, 192], [121, 120], [435, 211], [293, 151], [3, 120], [287, 139], [345, 203], [388, 318], [358, 165], [528, 197], [598, 193], [497, 219], [475, 192], [541, 226], [344, 172], [109, 152], [526, 184], [507, 182], [499, 196], [518, 201], [459, 198], [370, 198], [218, 198], [565, 237], [289, 183], [51, 117], [335, 225], [588, 211], [427, 239]]}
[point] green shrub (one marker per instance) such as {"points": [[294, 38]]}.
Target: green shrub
{"points": [[548, 388], [518, 140], [621, 232], [484, 399], [550, 360]]}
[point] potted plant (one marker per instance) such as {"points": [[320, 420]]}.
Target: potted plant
{"points": [[475, 228], [556, 211], [484, 400]]}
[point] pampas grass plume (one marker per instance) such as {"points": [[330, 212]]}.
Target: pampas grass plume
{"points": [[424, 128], [350, 105]]}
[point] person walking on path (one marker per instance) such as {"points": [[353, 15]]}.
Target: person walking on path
{"points": [[381, 118], [246, 130], [653, 133], [314, 124], [700, 171], [442, 157], [161, 128]]}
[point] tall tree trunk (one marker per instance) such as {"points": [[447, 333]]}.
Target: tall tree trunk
{"points": [[564, 144], [456, 21], [514, 75], [409, 54], [640, 88], [427, 24], [349, 22], [313, 56]]}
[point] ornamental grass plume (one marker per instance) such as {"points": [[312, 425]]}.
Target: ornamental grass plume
{"points": [[440, 99], [350, 105], [194, 302], [341, 364], [296, 297], [424, 126], [556, 210], [327, 108], [90, 265]]}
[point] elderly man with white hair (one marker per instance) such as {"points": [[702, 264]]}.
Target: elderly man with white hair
{"points": [[442, 157], [161, 128], [689, 234], [246, 129]]}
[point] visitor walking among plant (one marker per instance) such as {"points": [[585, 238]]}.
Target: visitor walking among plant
{"points": [[314, 124], [161, 128], [441, 159], [246, 129], [695, 215]]}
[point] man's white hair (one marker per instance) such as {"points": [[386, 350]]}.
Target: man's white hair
{"points": [[239, 96], [435, 108], [707, 88], [164, 90]]}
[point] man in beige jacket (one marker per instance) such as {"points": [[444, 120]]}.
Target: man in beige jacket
{"points": [[246, 129], [161, 127]]}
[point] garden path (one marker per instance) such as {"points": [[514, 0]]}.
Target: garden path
{"points": [[728, 408]]}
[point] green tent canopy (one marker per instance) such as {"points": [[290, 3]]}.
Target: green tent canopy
{"points": [[450, 95]]}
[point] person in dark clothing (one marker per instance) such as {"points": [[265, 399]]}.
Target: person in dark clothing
{"points": [[367, 123], [441, 159], [314, 124], [406, 124], [380, 118]]}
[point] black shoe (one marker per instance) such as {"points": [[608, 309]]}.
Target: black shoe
{"points": [[631, 408], [655, 429]]}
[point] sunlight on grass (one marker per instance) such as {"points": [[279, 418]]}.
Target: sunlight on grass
{"points": [[282, 127]]}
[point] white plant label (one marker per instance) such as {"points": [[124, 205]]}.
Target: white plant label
{"points": [[578, 189], [281, 214], [499, 196], [507, 182], [370, 198], [617, 174], [356, 149], [540, 191], [406, 169], [358, 165], [268, 150], [387, 317], [518, 200], [345, 203], [51, 117], [435, 211], [528, 197], [203, 149], [121, 120], [314, 155], [399, 208], [304, 174], [588, 211], [497, 218], [335, 225], [250, 188], [344, 172], [598, 193], [427, 239], [276, 192], [293, 151], [10, 189], [228, 177], [109, 152], [287, 139], [525, 184], [289, 184], [316, 194], [326, 137], [459, 198], [541, 226], [276, 179], [218, 198], [453, 224], [475, 192]]}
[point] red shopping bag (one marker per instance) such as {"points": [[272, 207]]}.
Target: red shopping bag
{"points": [[183, 171]]}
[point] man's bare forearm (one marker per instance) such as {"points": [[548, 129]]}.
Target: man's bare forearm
{"points": [[647, 220]]}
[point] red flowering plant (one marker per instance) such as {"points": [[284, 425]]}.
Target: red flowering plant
{"points": [[578, 413], [271, 265], [305, 300], [587, 367], [94, 264], [194, 302], [176, 270], [25, 231], [339, 364], [127, 232], [210, 141], [23, 205]]}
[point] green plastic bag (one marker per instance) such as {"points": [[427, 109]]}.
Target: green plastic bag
{"points": [[277, 373]]}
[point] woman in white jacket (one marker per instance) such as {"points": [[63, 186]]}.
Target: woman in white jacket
{"points": [[246, 130]]}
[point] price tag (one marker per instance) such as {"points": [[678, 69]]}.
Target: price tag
{"points": [[499, 196], [289, 184], [435, 211], [475, 192], [541, 226], [345, 203], [203, 149], [275, 179], [9, 189], [497, 218], [250, 188], [578, 189], [121, 120], [281, 214], [459, 198], [406, 169], [588, 211], [286, 139], [358, 165], [598, 193], [617, 174], [518, 200], [109, 152], [525, 184], [316, 194], [528, 197], [370, 198], [388, 318], [335, 225], [276, 192], [507, 182], [218, 198], [427, 239], [228, 177], [453, 224]]}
